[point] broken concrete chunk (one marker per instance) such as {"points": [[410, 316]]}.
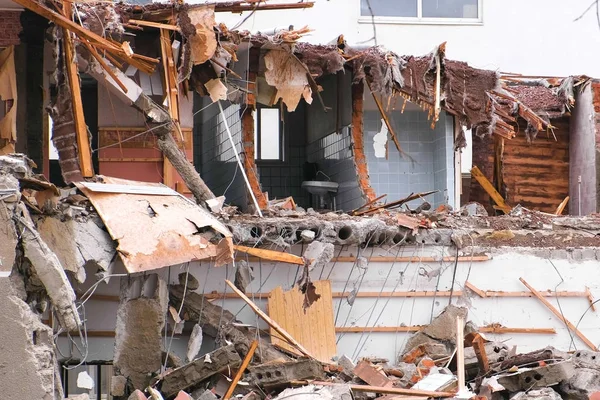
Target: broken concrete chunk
{"points": [[318, 254], [85, 381], [196, 372], [137, 395], [194, 344], [140, 321], [117, 386], [83, 396], [442, 329], [27, 345], [203, 394], [18, 165], [541, 394], [215, 204], [535, 378], [346, 363], [50, 272], [582, 384], [586, 359], [192, 282], [77, 244], [243, 275], [313, 392], [473, 209], [307, 235], [279, 373]]}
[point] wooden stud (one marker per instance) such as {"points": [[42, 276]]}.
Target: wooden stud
{"points": [[561, 206], [271, 255], [170, 89], [460, 352], [273, 324], [151, 24], [472, 287], [241, 370], [590, 298], [104, 65], [84, 150], [489, 188], [559, 315], [482, 359]]}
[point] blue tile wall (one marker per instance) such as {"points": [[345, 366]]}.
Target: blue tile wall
{"points": [[432, 164], [333, 156]]}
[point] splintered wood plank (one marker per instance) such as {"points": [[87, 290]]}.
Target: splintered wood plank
{"points": [[489, 188], [313, 328], [83, 141]]}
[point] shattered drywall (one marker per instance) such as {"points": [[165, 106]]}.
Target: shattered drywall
{"points": [[285, 72]]}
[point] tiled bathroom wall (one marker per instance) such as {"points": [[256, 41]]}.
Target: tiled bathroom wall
{"points": [[333, 156], [427, 165]]}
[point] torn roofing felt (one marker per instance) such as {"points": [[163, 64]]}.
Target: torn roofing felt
{"points": [[155, 226]]}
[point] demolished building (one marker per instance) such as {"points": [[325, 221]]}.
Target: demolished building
{"points": [[352, 258]]}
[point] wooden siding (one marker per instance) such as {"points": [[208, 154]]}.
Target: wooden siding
{"points": [[536, 175]]}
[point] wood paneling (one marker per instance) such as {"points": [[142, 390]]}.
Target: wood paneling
{"points": [[314, 328], [536, 174]]}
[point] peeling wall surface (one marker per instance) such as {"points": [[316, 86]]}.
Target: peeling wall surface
{"points": [[431, 149], [562, 270]]}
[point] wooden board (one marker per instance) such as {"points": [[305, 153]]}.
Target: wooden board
{"points": [[314, 329], [536, 174]]}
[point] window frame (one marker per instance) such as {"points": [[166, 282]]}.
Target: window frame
{"points": [[420, 20], [282, 137]]}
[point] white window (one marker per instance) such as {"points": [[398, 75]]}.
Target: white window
{"points": [[421, 11], [268, 135]]}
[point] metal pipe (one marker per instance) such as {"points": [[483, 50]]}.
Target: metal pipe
{"points": [[237, 157]]}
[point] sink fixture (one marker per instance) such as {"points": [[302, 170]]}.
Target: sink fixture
{"points": [[320, 188], [324, 190]]}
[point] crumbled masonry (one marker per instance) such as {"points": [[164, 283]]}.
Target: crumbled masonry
{"points": [[121, 282]]}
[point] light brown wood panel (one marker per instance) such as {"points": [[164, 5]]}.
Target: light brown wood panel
{"points": [[313, 328], [536, 174]]}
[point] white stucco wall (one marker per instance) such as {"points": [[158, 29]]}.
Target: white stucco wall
{"points": [[536, 37], [501, 273]]}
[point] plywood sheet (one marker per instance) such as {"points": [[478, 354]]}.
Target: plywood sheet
{"points": [[314, 329], [157, 230]]}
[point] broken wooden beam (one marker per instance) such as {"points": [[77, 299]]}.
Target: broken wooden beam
{"points": [[489, 188], [84, 150], [561, 206], [271, 255], [560, 316], [241, 370], [156, 25], [273, 324], [480, 352]]}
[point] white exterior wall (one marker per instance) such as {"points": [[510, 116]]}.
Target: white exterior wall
{"points": [[500, 274], [532, 37]]}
